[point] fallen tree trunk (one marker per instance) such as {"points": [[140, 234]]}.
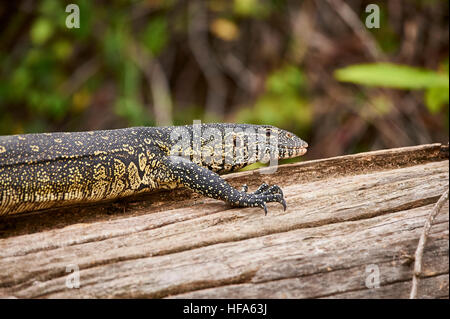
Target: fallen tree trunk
{"points": [[350, 231]]}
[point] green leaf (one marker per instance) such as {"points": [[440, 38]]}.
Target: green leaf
{"points": [[113, 43], [282, 110], [41, 30], [435, 98], [20, 82], [62, 49], [392, 76], [130, 79], [251, 8], [155, 35], [286, 80], [132, 110]]}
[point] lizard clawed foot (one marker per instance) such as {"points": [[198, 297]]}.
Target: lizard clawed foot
{"points": [[268, 194], [264, 194]]}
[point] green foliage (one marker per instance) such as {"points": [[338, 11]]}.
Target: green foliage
{"points": [[392, 76], [287, 80], [62, 49], [112, 47], [282, 104], [41, 31], [86, 10], [52, 104], [251, 8], [52, 77], [155, 35], [189, 114], [128, 106], [435, 98], [132, 110], [400, 77]]}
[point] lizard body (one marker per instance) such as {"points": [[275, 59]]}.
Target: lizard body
{"points": [[39, 171]]}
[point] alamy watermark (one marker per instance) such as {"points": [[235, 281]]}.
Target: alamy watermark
{"points": [[73, 279], [373, 18], [373, 276], [73, 18]]}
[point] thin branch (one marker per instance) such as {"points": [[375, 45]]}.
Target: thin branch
{"points": [[354, 22], [80, 76], [243, 76], [198, 41], [154, 74], [422, 242], [157, 80]]}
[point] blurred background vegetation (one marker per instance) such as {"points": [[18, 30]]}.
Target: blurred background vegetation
{"points": [[311, 67]]}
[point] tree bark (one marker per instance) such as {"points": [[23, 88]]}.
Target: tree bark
{"points": [[350, 231]]}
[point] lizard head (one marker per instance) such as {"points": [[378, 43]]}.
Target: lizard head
{"points": [[282, 142], [229, 147]]}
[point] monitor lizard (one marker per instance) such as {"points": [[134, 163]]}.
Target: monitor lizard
{"points": [[46, 170]]}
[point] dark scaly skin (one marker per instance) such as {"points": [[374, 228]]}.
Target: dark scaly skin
{"points": [[40, 171]]}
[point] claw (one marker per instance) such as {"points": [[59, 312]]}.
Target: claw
{"points": [[263, 206], [283, 202], [280, 199]]}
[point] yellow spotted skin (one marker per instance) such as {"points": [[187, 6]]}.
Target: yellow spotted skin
{"points": [[41, 171]]}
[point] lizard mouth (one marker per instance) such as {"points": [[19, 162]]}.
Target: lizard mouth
{"points": [[291, 152], [300, 151]]}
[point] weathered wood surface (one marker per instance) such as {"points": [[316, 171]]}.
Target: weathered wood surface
{"points": [[346, 216]]}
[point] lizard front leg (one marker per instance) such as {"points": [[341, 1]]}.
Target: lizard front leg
{"points": [[210, 184]]}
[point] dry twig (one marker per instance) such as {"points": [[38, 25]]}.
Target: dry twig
{"points": [[198, 42], [157, 80], [80, 76], [354, 22], [422, 242]]}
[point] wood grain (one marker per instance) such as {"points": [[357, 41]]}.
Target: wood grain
{"points": [[346, 216]]}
